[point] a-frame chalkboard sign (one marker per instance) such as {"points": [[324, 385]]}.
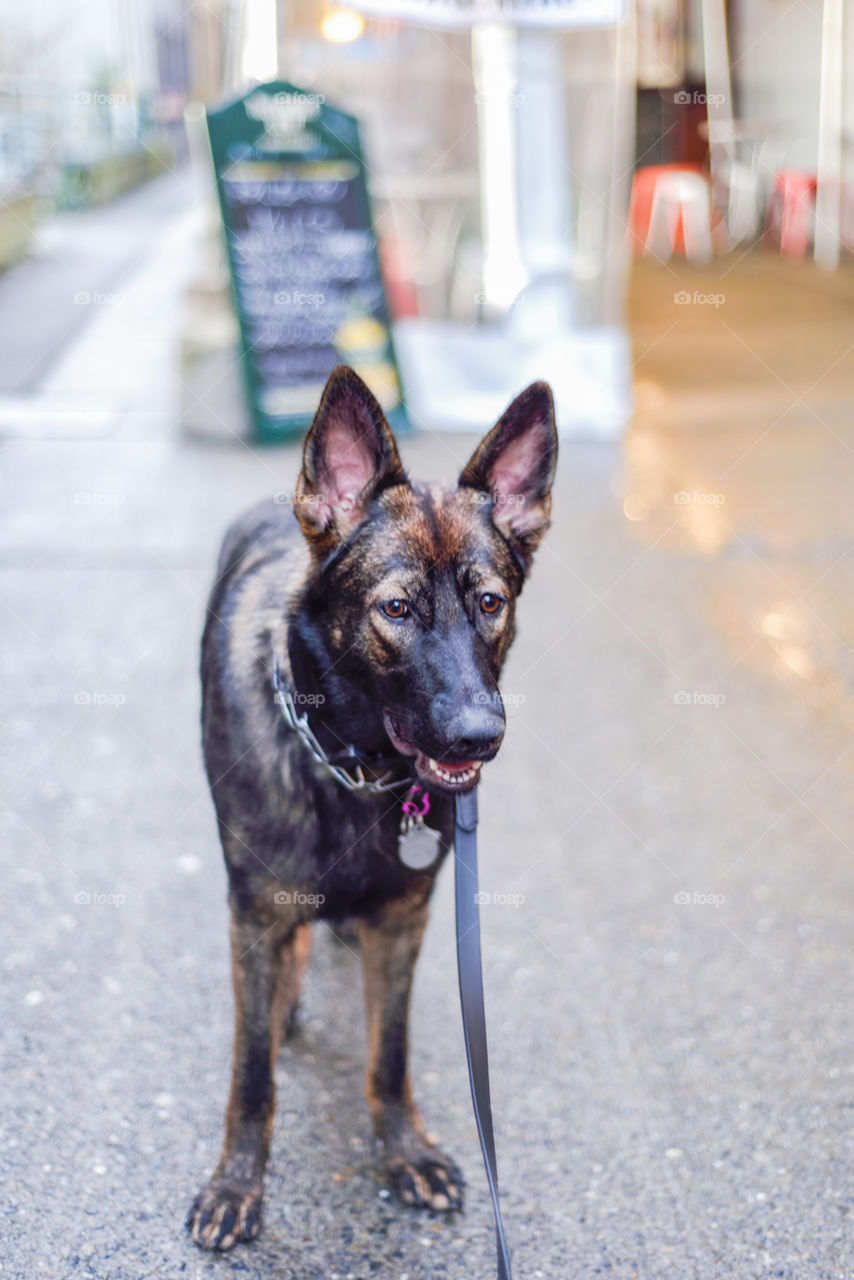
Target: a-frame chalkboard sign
{"points": [[303, 255]]}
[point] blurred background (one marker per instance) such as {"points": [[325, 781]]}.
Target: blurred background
{"points": [[649, 203]]}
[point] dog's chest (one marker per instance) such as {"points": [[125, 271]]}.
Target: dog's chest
{"points": [[357, 849]]}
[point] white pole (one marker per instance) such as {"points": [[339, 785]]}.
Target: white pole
{"points": [[543, 185], [618, 249], [494, 58], [718, 84], [260, 59], [828, 198], [543, 159]]}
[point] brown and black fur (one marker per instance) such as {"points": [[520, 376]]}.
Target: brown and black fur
{"points": [[308, 589]]}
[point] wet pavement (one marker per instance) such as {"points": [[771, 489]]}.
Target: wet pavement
{"points": [[667, 836]]}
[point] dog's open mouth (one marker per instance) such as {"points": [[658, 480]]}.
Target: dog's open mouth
{"points": [[444, 775]]}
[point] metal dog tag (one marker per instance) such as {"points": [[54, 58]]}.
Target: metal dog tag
{"points": [[417, 846]]}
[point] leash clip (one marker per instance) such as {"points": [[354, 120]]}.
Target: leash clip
{"points": [[417, 844], [410, 805]]}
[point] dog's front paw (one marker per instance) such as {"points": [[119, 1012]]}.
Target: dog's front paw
{"points": [[223, 1214], [429, 1180]]}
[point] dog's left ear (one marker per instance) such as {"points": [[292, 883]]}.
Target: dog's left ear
{"points": [[515, 465], [350, 457]]}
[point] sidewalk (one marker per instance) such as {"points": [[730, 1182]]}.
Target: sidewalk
{"points": [[79, 261], [670, 1003]]}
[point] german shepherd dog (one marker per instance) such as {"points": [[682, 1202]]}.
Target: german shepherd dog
{"points": [[388, 620]]}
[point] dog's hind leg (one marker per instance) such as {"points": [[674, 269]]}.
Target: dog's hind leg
{"points": [[264, 968], [420, 1174], [294, 963]]}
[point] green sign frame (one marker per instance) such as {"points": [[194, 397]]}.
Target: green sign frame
{"points": [[302, 252]]}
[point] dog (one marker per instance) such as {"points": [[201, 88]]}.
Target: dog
{"points": [[356, 634]]}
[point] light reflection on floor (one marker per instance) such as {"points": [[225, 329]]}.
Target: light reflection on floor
{"points": [[742, 455]]}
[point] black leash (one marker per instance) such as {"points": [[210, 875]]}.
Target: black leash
{"points": [[471, 1002]]}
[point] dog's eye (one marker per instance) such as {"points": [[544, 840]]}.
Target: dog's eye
{"points": [[490, 603], [396, 609]]}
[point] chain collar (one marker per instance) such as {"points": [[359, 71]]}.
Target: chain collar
{"points": [[299, 723]]}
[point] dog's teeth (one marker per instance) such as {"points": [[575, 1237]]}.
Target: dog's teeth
{"points": [[457, 777]]}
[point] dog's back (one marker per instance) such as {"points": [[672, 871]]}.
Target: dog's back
{"points": [[261, 566]]}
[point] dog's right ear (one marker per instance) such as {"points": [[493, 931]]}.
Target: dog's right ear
{"points": [[350, 457], [515, 466]]}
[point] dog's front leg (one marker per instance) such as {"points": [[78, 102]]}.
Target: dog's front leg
{"points": [[228, 1209], [420, 1173]]}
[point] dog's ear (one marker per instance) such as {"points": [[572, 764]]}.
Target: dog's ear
{"points": [[515, 465], [350, 457]]}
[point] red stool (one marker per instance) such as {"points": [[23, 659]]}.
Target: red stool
{"points": [[791, 207], [643, 195], [397, 276]]}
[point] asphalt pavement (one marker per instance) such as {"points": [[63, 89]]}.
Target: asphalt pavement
{"points": [[665, 837]]}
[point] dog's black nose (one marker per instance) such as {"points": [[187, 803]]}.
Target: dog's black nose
{"points": [[474, 731]]}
